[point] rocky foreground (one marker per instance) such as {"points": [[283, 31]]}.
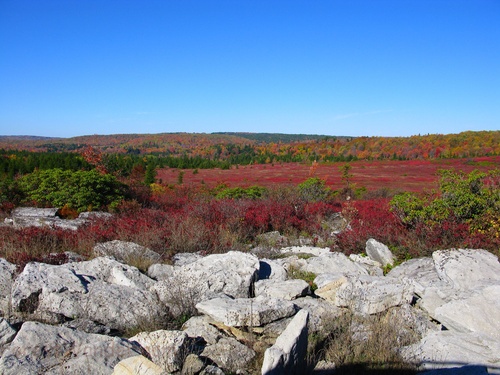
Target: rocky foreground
{"points": [[72, 318]]}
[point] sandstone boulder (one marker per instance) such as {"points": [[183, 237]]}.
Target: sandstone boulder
{"points": [[246, 312], [288, 354], [288, 289], [379, 252], [126, 252], [44, 349]]}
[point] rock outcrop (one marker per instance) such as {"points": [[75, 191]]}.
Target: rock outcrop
{"points": [[244, 307]]}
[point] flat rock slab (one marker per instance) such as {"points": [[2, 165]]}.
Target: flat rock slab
{"points": [[44, 349], [289, 289], [288, 354], [126, 251], [467, 268], [167, 349], [379, 252], [230, 355], [246, 312], [333, 263], [446, 349], [478, 313], [138, 365], [366, 294]]}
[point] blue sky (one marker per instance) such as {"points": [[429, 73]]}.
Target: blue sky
{"points": [[336, 67]]}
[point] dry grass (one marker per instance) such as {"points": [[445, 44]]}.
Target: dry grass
{"points": [[365, 344]]}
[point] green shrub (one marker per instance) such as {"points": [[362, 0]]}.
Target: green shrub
{"points": [[314, 189], [80, 190]]}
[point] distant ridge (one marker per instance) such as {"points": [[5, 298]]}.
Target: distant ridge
{"points": [[279, 137]]}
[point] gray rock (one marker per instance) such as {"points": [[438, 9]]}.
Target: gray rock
{"points": [[446, 349], [289, 289], [229, 355], [246, 312], [138, 365], [7, 271], [367, 294], [379, 252], [91, 215], [478, 313], [34, 212], [373, 267], [421, 272], [212, 370], [102, 290], [308, 250], [166, 348], [160, 271], [288, 354], [43, 349], [88, 326], [321, 312], [333, 263], [467, 268], [7, 334], [199, 326], [126, 251], [232, 274], [272, 270], [181, 259], [193, 365]]}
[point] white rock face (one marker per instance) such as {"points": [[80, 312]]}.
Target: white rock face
{"points": [[288, 289], [421, 272], [320, 312], [6, 279], [445, 349], [478, 313], [138, 365], [7, 334], [43, 349], [316, 251], [246, 312], [199, 326], [333, 263], [166, 348], [366, 294], [230, 355], [125, 251], [373, 267], [288, 354], [272, 270], [467, 268], [232, 274], [102, 290], [160, 272], [379, 252]]}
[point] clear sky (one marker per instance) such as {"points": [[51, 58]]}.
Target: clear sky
{"points": [[336, 67]]}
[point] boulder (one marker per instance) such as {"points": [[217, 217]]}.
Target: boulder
{"points": [[465, 269], [288, 354], [371, 266], [333, 263], [366, 294], [102, 290], [181, 259], [272, 270], [229, 355], [7, 271], [289, 289], [193, 365], [126, 251], [199, 327], [232, 274], [160, 272], [138, 365], [447, 349], [321, 312], [308, 250], [246, 312], [478, 313], [421, 272], [7, 334], [44, 349], [167, 349], [379, 252]]}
